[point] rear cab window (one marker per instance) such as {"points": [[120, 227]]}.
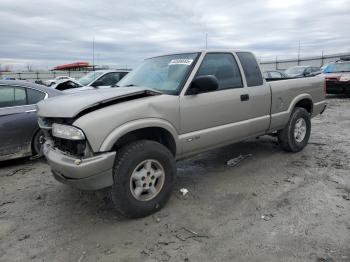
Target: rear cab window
{"points": [[251, 69]]}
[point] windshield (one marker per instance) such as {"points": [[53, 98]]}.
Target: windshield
{"points": [[88, 78], [295, 70], [337, 67], [165, 73]]}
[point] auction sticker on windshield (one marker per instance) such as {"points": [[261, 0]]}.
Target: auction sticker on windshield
{"points": [[181, 62]]}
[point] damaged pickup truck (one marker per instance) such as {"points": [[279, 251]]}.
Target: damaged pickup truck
{"points": [[170, 107]]}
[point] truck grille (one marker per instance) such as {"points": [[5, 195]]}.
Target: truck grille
{"points": [[76, 148]]}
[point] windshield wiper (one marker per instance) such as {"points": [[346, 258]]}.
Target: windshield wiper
{"points": [[130, 85]]}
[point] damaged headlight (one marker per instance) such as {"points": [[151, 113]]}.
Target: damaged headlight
{"points": [[67, 132]]}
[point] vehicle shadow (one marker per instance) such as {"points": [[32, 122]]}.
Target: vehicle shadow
{"points": [[329, 96], [217, 159], [20, 161]]}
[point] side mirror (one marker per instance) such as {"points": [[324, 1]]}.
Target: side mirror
{"points": [[306, 73], [203, 84], [97, 83]]}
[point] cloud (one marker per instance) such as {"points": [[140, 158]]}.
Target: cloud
{"points": [[48, 33]]}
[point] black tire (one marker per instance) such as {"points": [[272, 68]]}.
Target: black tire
{"points": [[37, 142], [128, 158], [286, 137]]}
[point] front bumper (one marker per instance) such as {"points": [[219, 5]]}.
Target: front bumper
{"points": [[90, 173]]}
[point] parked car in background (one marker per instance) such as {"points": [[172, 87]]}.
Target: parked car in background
{"points": [[302, 71], [169, 108], [58, 79], [20, 135], [272, 75], [8, 78], [93, 80], [337, 76]]}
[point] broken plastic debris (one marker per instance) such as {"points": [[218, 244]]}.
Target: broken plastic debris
{"points": [[183, 191], [235, 161], [267, 217]]}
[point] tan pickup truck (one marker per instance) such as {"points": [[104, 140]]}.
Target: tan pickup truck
{"points": [[128, 137]]}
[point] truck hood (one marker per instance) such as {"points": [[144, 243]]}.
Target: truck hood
{"points": [[72, 105]]}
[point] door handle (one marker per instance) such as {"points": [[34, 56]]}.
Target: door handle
{"points": [[32, 110], [245, 97]]}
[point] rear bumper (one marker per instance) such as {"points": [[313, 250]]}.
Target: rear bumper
{"points": [[319, 108], [333, 87], [91, 173]]}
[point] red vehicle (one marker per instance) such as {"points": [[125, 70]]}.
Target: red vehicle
{"points": [[337, 76]]}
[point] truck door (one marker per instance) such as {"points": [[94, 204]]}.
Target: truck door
{"points": [[258, 94], [216, 118]]}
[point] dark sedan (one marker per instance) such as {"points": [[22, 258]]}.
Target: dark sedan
{"points": [[274, 75], [20, 135], [302, 71]]}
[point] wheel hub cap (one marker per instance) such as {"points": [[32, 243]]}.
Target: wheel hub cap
{"points": [[300, 130], [147, 180]]}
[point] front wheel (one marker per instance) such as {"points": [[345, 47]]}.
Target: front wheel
{"points": [[144, 174], [295, 136]]}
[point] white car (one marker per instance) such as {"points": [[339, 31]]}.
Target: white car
{"points": [[92, 80], [58, 79]]}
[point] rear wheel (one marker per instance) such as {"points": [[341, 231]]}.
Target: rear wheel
{"points": [[144, 174], [295, 136]]}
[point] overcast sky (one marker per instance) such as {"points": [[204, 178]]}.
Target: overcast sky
{"points": [[46, 33]]}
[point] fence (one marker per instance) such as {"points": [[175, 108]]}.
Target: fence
{"points": [[276, 64], [282, 64], [42, 75]]}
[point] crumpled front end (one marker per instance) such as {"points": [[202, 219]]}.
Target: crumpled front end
{"points": [[72, 160]]}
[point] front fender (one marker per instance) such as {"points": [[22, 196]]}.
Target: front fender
{"points": [[134, 125]]}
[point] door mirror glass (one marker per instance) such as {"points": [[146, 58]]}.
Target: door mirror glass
{"points": [[203, 84]]}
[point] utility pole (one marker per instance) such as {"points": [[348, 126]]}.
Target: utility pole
{"points": [[299, 53], [206, 40], [276, 62], [93, 53]]}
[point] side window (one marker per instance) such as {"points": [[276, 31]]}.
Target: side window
{"points": [[224, 67], [12, 96], [251, 69], [110, 79], [34, 96]]}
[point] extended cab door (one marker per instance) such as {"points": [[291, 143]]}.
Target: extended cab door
{"points": [[233, 112]]}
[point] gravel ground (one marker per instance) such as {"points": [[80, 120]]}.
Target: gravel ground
{"points": [[273, 206]]}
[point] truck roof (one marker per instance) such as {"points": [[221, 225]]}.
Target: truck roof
{"points": [[204, 51]]}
